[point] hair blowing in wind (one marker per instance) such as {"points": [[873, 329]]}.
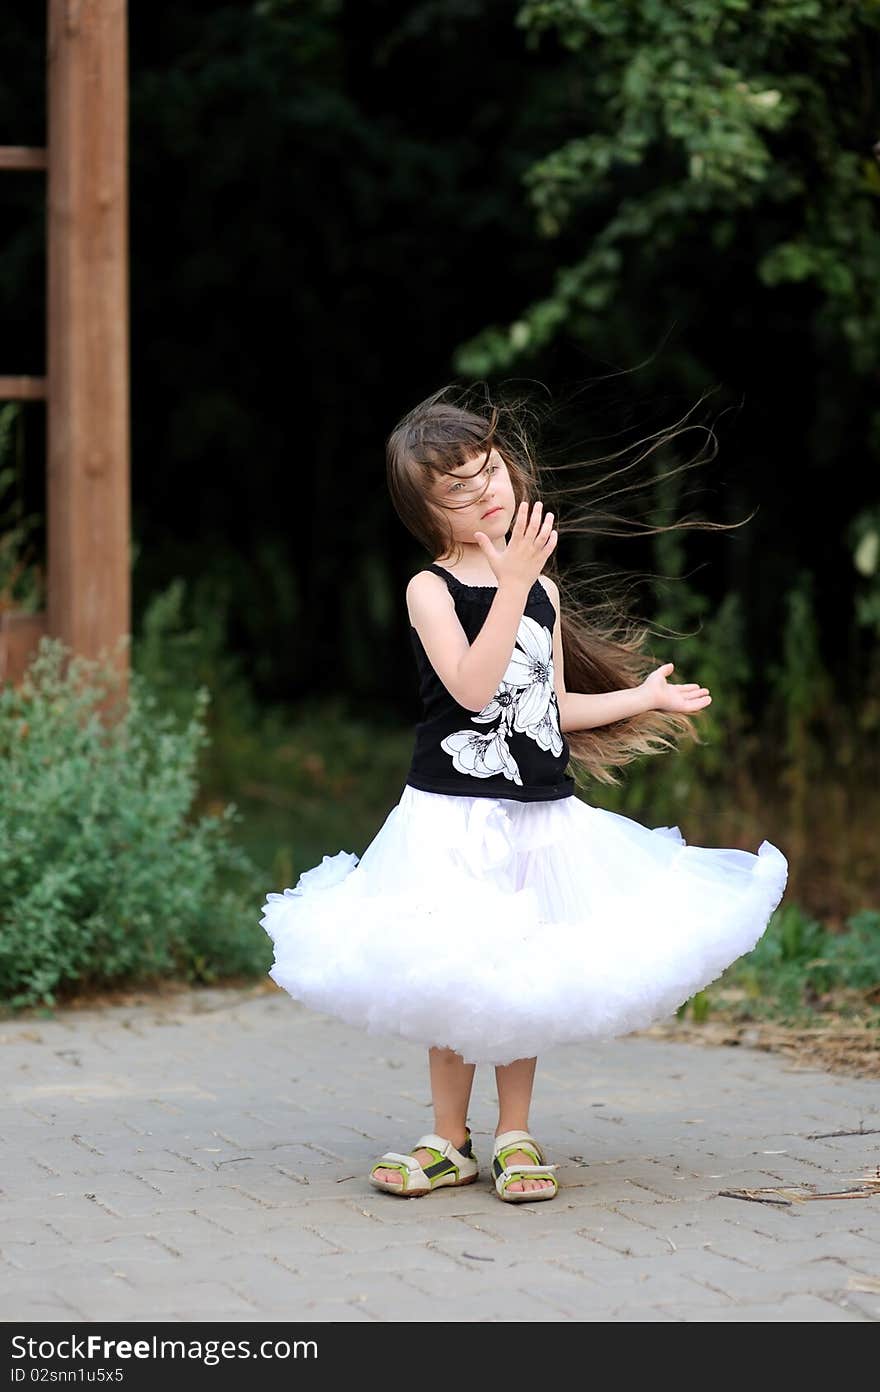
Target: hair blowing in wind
{"points": [[603, 646]]}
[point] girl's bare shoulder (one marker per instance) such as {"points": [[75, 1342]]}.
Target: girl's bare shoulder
{"points": [[427, 593]]}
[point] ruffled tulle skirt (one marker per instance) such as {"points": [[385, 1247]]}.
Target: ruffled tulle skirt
{"points": [[500, 928]]}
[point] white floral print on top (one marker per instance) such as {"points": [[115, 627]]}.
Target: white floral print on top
{"points": [[481, 755], [525, 701]]}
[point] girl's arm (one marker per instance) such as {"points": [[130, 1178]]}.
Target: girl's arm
{"points": [[471, 672], [584, 712]]}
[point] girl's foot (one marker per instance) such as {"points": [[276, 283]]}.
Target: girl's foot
{"points": [[424, 1157], [520, 1171], [516, 1186]]}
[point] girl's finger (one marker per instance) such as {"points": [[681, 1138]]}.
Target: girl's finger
{"points": [[542, 533]]}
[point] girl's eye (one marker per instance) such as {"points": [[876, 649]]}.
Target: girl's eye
{"points": [[493, 468]]}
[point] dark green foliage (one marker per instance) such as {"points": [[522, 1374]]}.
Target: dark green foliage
{"points": [[329, 199], [800, 969], [720, 126], [799, 962]]}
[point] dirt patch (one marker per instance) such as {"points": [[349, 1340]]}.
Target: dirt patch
{"points": [[836, 1046], [171, 993]]}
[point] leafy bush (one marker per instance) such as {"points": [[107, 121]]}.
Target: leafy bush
{"points": [[798, 968], [798, 965], [105, 874], [183, 644]]}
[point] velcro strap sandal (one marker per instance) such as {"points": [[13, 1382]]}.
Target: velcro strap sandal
{"points": [[508, 1143], [450, 1167]]}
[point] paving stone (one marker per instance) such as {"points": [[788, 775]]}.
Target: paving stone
{"points": [[847, 1248], [41, 1305], [207, 1158]]}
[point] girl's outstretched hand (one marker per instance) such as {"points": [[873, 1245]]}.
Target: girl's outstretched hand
{"points": [[532, 540], [663, 697]]}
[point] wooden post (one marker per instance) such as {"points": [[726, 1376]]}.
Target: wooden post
{"points": [[88, 513]]}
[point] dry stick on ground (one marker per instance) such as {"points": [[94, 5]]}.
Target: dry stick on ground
{"points": [[822, 1135], [868, 1185]]}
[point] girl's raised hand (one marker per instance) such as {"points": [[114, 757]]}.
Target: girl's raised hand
{"points": [[532, 540], [688, 698]]}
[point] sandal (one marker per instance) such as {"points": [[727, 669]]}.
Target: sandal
{"points": [[507, 1144], [450, 1168]]}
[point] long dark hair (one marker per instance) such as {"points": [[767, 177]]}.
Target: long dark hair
{"points": [[601, 644]]}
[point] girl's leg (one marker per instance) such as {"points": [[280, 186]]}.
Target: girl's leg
{"points": [[451, 1083], [514, 1082]]}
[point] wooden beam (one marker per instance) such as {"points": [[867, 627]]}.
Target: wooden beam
{"points": [[23, 157], [22, 388], [88, 513]]}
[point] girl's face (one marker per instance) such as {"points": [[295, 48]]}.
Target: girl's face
{"points": [[477, 497]]}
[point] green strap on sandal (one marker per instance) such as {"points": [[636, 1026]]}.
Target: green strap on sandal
{"points": [[450, 1167], [508, 1143]]}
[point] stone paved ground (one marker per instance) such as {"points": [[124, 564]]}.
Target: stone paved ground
{"points": [[203, 1156]]}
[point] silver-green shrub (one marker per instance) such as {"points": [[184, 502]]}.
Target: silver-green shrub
{"points": [[106, 875]]}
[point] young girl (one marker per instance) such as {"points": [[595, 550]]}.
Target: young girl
{"points": [[495, 913]]}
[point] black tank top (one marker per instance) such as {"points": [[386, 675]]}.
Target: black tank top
{"points": [[512, 748]]}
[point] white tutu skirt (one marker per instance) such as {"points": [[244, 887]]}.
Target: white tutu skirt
{"points": [[500, 928]]}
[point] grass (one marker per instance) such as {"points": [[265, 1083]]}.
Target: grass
{"points": [[801, 972]]}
